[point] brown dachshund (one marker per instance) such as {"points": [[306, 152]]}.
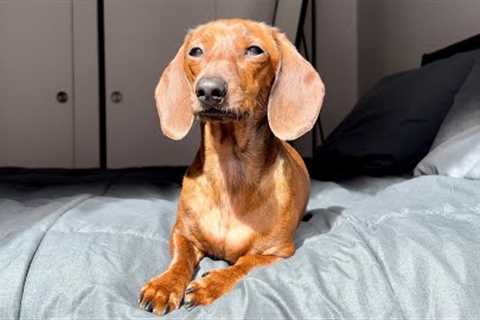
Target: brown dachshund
{"points": [[246, 191]]}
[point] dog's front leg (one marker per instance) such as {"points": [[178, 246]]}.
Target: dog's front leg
{"points": [[216, 283], [164, 292]]}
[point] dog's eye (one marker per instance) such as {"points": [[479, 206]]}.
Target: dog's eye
{"points": [[253, 51], [195, 52]]}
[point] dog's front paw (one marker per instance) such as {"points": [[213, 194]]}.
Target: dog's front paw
{"points": [[209, 287], [161, 294]]}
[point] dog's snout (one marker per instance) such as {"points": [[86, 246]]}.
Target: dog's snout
{"points": [[211, 91]]}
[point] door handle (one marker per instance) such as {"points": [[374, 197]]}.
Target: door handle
{"points": [[62, 96], [116, 97]]}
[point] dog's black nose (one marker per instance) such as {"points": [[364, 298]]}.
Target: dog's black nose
{"points": [[211, 91]]}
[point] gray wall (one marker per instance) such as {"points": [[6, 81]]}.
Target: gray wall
{"points": [[393, 35], [360, 41], [337, 61], [337, 58]]}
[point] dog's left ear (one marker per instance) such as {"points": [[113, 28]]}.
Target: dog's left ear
{"points": [[297, 93], [173, 97]]}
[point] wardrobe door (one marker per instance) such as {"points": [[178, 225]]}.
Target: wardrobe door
{"points": [[36, 109], [141, 37], [258, 10]]}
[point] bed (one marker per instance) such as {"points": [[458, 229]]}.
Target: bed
{"points": [[81, 245]]}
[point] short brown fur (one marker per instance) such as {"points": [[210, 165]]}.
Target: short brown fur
{"points": [[246, 191]]}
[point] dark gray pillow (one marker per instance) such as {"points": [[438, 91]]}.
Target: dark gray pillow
{"points": [[455, 151], [393, 126]]}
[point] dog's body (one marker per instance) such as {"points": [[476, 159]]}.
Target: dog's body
{"points": [[247, 190], [228, 203]]}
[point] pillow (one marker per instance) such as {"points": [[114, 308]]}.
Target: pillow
{"points": [[455, 151], [393, 126]]}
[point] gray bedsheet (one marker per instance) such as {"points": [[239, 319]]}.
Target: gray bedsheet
{"points": [[82, 248]]}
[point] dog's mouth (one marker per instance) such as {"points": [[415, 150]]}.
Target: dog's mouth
{"points": [[217, 115]]}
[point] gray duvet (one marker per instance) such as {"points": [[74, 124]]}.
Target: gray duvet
{"points": [[81, 247]]}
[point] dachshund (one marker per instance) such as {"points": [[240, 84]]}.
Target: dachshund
{"points": [[247, 189]]}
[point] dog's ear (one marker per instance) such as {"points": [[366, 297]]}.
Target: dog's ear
{"points": [[173, 97], [296, 95]]}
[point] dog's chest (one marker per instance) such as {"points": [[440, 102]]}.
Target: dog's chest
{"points": [[223, 228], [230, 213]]}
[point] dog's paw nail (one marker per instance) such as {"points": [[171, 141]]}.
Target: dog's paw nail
{"points": [[189, 290], [140, 299], [165, 311], [205, 274], [148, 306], [190, 305]]}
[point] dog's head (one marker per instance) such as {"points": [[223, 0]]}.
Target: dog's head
{"points": [[239, 70]]}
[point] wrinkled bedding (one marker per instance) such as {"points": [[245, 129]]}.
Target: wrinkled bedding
{"points": [[81, 246]]}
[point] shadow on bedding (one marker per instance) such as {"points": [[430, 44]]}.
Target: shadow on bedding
{"points": [[316, 222]]}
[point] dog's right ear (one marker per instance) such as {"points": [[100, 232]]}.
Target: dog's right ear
{"points": [[173, 97], [297, 93]]}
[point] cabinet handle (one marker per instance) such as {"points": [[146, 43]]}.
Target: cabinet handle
{"points": [[116, 97], [62, 97]]}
